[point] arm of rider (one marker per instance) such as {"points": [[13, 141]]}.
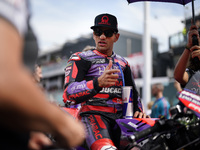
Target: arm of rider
{"points": [[108, 78], [22, 102]]}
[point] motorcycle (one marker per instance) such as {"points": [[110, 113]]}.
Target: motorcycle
{"points": [[180, 132]]}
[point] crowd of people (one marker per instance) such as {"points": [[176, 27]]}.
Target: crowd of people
{"points": [[93, 78]]}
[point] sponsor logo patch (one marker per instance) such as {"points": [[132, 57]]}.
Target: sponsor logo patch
{"points": [[111, 90]]}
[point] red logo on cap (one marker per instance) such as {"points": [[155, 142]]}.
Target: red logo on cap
{"points": [[104, 20]]}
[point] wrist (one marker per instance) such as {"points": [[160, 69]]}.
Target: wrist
{"points": [[188, 48], [96, 84]]}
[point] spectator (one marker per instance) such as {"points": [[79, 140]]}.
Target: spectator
{"points": [[93, 78], [38, 73], [37, 76], [161, 105], [187, 66], [23, 106]]}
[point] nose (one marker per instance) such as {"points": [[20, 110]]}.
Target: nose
{"points": [[102, 36]]}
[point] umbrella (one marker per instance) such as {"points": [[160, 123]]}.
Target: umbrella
{"points": [[182, 2]]}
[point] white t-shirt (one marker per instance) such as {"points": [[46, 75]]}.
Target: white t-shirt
{"points": [[16, 12]]}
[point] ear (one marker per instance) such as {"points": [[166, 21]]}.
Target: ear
{"points": [[116, 37]]}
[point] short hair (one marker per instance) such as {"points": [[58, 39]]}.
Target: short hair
{"points": [[159, 86]]}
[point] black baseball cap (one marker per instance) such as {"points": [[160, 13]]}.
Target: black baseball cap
{"points": [[105, 20]]}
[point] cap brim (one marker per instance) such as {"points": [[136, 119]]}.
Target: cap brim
{"points": [[93, 27]]}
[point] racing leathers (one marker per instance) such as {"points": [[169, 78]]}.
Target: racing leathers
{"points": [[101, 106]]}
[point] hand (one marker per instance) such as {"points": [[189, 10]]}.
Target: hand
{"points": [[138, 114], [108, 78], [71, 135], [193, 31], [38, 140], [195, 51]]}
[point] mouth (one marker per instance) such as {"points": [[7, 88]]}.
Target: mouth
{"points": [[102, 43]]}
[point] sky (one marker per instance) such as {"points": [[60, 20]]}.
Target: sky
{"points": [[58, 21]]}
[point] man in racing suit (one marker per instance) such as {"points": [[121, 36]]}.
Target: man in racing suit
{"points": [[93, 78]]}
